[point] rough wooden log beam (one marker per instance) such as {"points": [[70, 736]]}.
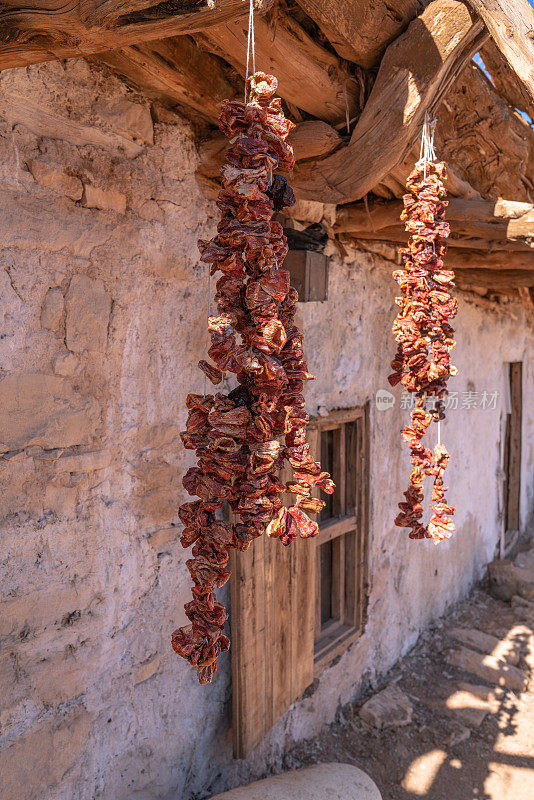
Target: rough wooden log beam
{"points": [[494, 279], [309, 76], [491, 262], [474, 270], [176, 72], [360, 30], [511, 26], [493, 220], [44, 30], [415, 72], [311, 139], [396, 180], [488, 144], [505, 80], [472, 260], [467, 237]]}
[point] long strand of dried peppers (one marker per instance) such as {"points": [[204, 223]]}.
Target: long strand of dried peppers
{"points": [[237, 436], [425, 339]]}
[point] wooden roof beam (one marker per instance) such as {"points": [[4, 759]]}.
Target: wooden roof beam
{"points": [[463, 258], [511, 26], [360, 30], [311, 139], [500, 218], [177, 73], [502, 280], [500, 230], [44, 30], [415, 72], [506, 82], [309, 76], [468, 238], [496, 272]]}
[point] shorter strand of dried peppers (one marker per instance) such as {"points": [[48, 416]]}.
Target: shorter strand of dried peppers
{"points": [[424, 341], [238, 436]]}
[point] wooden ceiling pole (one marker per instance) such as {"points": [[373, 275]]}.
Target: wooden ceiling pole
{"points": [[177, 73], [506, 82], [502, 217], [511, 26], [44, 30], [415, 72], [309, 76], [311, 139], [465, 240], [360, 30], [501, 263], [501, 280]]}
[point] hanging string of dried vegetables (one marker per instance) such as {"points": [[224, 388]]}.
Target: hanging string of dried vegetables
{"points": [[237, 435], [424, 336]]}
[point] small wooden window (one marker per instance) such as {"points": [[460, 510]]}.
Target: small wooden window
{"points": [[294, 609], [341, 576]]}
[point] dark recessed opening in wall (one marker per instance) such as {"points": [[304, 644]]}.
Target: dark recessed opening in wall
{"points": [[512, 455], [308, 263]]}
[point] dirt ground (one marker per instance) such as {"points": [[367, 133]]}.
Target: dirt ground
{"points": [[448, 751]]}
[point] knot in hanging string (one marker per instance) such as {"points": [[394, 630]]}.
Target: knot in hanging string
{"points": [[251, 46]]}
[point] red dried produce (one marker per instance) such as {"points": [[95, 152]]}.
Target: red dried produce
{"points": [[425, 338], [242, 439]]}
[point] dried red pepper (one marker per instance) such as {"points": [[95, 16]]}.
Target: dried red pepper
{"points": [[237, 436], [425, 339]]}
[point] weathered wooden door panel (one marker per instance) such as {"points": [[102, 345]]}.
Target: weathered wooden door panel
{"points": [[272, 629]]}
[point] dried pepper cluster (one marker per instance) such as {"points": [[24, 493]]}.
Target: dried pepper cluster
{"points": [[237, 436], [425, 339]]}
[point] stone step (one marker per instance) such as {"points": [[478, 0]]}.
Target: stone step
{"points": [[483, 694], [319, 782], [504, 649], [389, 708], [488, 668], [507, 579], [523, 608], [465, 703]]}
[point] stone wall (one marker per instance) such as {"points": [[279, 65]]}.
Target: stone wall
{"points": [[103, 318]]}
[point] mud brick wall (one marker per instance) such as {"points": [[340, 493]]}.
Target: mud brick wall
{"points": [[103, 309]]}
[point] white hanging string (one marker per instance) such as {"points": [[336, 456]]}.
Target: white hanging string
{"points": [[251, 45], [427, 154], [251, 54]]}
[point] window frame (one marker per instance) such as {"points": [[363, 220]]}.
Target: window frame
{"points": [[349, 534]]}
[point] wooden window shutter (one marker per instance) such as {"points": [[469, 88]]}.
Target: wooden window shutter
{"points": [[272, 631], [279, 642]]}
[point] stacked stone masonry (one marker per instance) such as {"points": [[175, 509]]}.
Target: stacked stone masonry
{"points": [[103, 308]]}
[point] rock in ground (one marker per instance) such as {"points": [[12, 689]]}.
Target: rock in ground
{"points": [[390, 708], [320, 782]]}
